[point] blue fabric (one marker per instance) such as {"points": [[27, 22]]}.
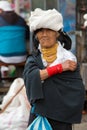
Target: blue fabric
{"points": [[32, 108], [12, 41], [40, 123]]}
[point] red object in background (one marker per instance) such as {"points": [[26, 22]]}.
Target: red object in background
{"points": [[27, 5], [13, 6]]}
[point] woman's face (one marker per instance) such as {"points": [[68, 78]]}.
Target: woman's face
{"points": [[47, 37]]}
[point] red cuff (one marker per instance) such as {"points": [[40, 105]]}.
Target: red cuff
{"points": [[54, 69]]}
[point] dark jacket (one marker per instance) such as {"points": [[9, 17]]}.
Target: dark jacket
{"points": [[60, 97], [10, 18]]}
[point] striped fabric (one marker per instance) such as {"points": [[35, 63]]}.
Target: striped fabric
{"points": [[12, 42], [40, 123]]}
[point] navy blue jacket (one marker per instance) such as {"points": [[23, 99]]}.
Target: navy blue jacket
{"points": [[60, 97]]}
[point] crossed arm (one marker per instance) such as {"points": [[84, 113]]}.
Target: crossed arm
{"points": [[65, 66]]}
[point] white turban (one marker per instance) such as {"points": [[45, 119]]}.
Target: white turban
{"points": [[50, 19], [5, 5]]}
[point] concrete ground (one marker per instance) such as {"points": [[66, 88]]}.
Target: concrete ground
{"points": [[82, 125]]}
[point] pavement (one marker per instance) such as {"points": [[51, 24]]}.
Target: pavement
{"points": [[82, 125]]}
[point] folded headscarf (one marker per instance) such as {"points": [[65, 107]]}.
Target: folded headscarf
{"points": [[51, 19]]}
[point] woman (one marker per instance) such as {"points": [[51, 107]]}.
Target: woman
{"points": [[53, 84]]}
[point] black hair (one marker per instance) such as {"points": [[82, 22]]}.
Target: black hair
{"points": [[65, 40]]}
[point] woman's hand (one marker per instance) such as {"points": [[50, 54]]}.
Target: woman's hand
{"points": [[69, 65]]}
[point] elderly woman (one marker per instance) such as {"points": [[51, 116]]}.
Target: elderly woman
{"points": [[53, 83]]}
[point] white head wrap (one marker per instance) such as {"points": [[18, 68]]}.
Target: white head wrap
{"points": [[5, 5], [51, 19]]}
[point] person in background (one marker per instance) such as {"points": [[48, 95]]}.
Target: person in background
{"points": [[51, 75], [14, 32]]}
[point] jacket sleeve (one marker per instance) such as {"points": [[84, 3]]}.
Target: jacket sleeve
{"points": [[32, 80]]}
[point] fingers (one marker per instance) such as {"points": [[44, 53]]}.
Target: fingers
{"points": [[72, 65], [69, 65]]}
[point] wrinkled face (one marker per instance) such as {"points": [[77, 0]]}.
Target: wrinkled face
{"points": [[47, 37]]}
